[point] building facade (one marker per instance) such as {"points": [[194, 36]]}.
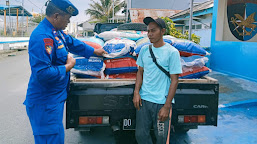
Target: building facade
{"points": [[201, 24], [234, 40]]}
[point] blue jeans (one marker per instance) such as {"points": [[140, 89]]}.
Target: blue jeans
{"points": [[146, 118]]}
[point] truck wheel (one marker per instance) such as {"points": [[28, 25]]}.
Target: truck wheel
{"points": [[125, 137], [133, 26]]}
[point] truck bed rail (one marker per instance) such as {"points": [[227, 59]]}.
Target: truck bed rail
{"points": [[124, 82]]}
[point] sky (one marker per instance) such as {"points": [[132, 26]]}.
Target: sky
{"points": [[37, 5]]}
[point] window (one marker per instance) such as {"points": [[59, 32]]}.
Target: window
{"points": [[199, 26], [194, 27], [90, 33]]}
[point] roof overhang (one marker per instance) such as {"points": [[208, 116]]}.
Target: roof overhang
{"points": [[13, 10], [195, 14]]}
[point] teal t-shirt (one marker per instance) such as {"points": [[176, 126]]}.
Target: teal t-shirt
{"points": [[156, 84]]}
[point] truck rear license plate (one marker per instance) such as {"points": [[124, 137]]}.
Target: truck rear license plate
{"points": [[129, 124]]}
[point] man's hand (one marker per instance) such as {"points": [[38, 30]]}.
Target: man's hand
{"points": [[100, 52], [164, 113], [137, 100], [70, 63]]}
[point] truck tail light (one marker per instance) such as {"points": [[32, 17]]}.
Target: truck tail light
{"points": [[99, 120], [93, 120], [201, 118], [191, 119]]}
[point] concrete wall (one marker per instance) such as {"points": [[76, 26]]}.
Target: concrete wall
{"points": [[72, 28], [4, 45], [229, 55], [205, 32], [1, 25], [137, 15], [205, 35]]}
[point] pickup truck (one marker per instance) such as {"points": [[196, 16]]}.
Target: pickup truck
{"points": [[99, 102], [108, 102]]}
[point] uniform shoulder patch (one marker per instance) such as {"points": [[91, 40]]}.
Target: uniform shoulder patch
{"points": [[48, 45]]}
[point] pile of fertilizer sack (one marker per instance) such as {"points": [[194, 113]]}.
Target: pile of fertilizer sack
{"points": [[123, 48]]}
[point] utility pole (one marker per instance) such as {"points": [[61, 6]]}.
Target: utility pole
{"points": [[190, 20], [8, 4], [112, 11], [22, 17]]}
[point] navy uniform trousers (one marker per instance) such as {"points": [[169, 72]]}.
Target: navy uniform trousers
{"points": [[47, 118]]}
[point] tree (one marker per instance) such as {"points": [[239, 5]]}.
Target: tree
{"points": [[102, 11], [37, 19], [171, 30]]}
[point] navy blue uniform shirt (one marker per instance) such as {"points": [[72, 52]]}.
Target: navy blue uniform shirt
{"points": [[48, 50]]}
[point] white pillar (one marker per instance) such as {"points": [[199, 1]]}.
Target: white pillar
{"points": [[190, 20]]}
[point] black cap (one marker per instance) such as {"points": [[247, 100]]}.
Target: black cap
{"points": [[159, 21]]}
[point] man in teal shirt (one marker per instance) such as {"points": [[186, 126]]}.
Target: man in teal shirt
{"points": [[154, 90]]}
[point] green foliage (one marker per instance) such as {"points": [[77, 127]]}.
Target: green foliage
{"points": [[171, 30], [37, 19], [102, 11], [1, 33]]}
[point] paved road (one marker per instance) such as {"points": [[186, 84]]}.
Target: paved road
{"points": [[235, 125], [15, 127]]}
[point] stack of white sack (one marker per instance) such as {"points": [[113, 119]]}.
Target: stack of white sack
{"points": [[119, 62], [193, 62], [88, 68], [118, 47], [145, 41], [132, 35], [194, 67], [185, 47]]}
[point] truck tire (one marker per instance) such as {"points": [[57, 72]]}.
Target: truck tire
{"points": [[133, 26]]}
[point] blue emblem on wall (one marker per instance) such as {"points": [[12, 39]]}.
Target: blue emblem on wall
{"points": [[242, 18]]}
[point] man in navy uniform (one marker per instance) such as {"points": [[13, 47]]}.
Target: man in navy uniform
{"points": [[50, 66]]}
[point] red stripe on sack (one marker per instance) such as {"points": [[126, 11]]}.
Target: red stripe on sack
{"points": [[120, 62], [92, 44], [187, 54], [195, 71], [123, 76]]}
